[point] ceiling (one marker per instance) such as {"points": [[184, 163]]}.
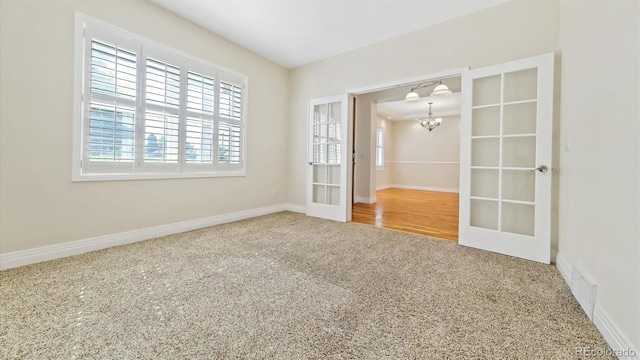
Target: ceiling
{"points": [[443, 106], [292, 33]]}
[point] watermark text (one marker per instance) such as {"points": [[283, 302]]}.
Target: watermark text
{"points": [[599, 352]]}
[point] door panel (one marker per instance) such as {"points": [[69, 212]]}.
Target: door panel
{"points": [[505, 195], [327, 177]]}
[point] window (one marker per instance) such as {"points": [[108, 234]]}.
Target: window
{"points": [[147, 111], [380, 149]]}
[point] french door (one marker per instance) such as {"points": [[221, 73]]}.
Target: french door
{"points": [[505, 158], [327, 158]]}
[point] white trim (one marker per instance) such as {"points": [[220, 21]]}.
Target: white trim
{"points": [[363, 200], [383, 187], [611, 333], [78, 90], [564, 269], [615, 338], [416, 79], [51, 252], [295, 208], [414, 187], [157, 176], [425, 162]]}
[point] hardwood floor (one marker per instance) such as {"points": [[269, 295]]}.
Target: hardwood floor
{"points": [[428, 213]]}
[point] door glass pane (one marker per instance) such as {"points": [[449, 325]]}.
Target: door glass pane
{"points": [[486, 90], [319, 173], [486, 121], [519, 185], [334, 174], [484, 214], [334, 132], [484, 183], [521, 85], [335, 112], [320, 133], [333, 197], [518, 218], [320, 113], [319, 194], [320, 153], [520, 119], [485, 152], [519, 152], [334, 154]]}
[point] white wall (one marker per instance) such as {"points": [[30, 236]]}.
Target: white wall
{"points": [[40, 205], [427, 160], [600, 174], [510, 31], [365, 159]]}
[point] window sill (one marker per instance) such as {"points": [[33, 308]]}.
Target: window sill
{"points": [[125, 177]]}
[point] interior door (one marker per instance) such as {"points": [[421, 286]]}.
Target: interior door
{"points": [[505, 160], [328, 161]]}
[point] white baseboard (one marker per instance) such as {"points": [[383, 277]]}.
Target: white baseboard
{"points": [[363, 199], [564, 270], [614, 337], [427, 188], [51, 252], [295, 208], [383, 187]]}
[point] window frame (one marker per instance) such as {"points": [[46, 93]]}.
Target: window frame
{"points": [[380, 148], [138, 169]]}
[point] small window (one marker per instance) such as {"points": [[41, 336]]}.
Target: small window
{"points": [[380, 149], [147, 111]]}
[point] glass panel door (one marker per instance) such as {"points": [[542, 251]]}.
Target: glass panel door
{"points": [[327, 167], [506, 138]]}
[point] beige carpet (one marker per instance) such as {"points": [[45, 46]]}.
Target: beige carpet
{"points": [[286, 286]]}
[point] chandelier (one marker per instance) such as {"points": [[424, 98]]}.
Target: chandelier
{"points": [[430, 123]]}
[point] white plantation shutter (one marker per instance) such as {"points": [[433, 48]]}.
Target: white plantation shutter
{"points": [[149, 111], [111, 133], [334, 144], [161, 132], [113, 70], [161, 115], [110, 91], [199, 145], [230, 125], [230, 101], [380, 148], [229, 138]]}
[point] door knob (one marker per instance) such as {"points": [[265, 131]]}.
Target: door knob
{"points": [[542, 168]]}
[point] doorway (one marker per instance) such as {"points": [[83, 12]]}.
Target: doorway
{"points": [[413, 184]]}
